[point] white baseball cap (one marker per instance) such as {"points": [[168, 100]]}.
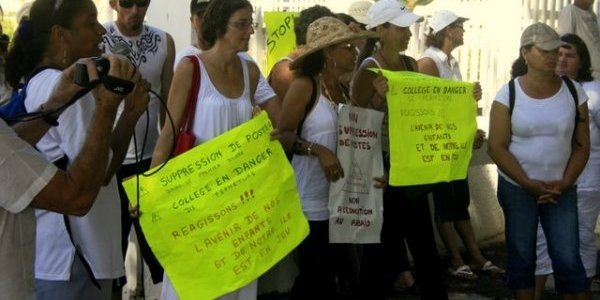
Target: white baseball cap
{"points": [[442, 19], [391, 11], [358, 10]]}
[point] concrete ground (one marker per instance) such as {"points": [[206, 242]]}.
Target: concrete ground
{"points": [[487, 286]]}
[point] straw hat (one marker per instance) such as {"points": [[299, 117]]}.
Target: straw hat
{"points": [[325, 32]]}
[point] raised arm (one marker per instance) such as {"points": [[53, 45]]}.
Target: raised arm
{"points": [[74, 191], [295, 108], [364, 93]]}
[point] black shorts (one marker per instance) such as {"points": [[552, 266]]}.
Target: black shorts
{"points": [[452, 201]]}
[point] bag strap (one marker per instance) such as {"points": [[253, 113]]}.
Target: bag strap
{"points": [[309, 106], [573, 92], [407, 63], [84, 262], [62, 164], [566, 79], [188, 121], [570, 86], [511, 96]]}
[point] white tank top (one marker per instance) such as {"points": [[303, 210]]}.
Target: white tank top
{"points": [[215, 113], [148, 53], [319, 127]]}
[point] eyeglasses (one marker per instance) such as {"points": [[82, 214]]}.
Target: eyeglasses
{"points": [[131, 3], [243, 25]]}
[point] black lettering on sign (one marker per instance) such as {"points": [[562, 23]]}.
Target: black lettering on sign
{"points": [[278, 33]]}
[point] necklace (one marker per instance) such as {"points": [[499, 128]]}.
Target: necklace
{"points": [[332, 102]]}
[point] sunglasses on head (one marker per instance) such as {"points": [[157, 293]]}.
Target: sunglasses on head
{"points": [[131, 3]]}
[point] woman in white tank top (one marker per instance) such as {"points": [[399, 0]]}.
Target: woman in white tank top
{"points": [[229, 89], [405, 209], [310, 110]]}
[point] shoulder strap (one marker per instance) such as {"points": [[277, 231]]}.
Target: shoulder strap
{"points": [[407, 63], [573, 92], [572, 89], [188, 120], [62, 164], [372, 59], [309, 106], [511, 96], [84, 262]]}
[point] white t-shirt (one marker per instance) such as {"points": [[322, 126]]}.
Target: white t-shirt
{"points": [[589, 180], [447, 66], [541, 131], [23, 174], [584, 23], [95, 232], [216, 114], [148, 53], [319, 127]]}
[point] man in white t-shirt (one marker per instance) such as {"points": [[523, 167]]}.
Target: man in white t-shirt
{"points": [[579, 18], [152, 51], [27, 180]]}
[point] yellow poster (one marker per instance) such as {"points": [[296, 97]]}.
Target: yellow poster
{"points": [[432, 124], [281, 39], [223, 213]]}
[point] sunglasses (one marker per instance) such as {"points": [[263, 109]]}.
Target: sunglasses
{"points": [[131, 3]]}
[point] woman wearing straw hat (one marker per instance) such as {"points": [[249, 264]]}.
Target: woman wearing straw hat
{"points": [[315, 93], [406, 217]]}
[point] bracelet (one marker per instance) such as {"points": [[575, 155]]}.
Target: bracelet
{"points": [[309, 149]]}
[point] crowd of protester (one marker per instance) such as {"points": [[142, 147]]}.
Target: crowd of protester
{"points": [[65, 218]]}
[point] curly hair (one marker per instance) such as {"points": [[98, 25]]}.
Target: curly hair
{"points": [[216, 18]]}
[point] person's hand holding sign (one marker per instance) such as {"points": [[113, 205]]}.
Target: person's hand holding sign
{"points": [[380, 85]]}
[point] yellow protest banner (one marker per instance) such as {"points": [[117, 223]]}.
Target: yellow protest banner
{"points": [[223, 213], [432, 124], [281, 39]]}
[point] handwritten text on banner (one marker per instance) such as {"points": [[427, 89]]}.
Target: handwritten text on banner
{"points": [[223, 213], [432, 124], [281, 39]]}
